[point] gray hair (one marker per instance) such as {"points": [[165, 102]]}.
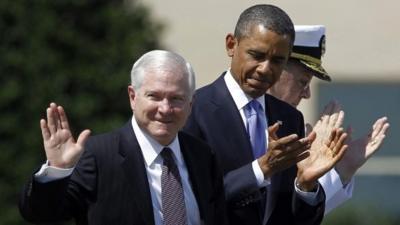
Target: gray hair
{"points": [[157, 60], [269, 16]]}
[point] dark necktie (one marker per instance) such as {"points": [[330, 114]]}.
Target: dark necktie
{"points": [[256, 125], [173, 202]]}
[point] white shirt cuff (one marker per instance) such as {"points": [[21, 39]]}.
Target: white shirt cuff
{"points": [[261, 181], [332, 184], [336, 193], [50, 173], [309, 197]]}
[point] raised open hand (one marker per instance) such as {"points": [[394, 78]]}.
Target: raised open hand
{"points": [[282, 152], [321, 159], [361, 149], [61, 149], [332, 117]]}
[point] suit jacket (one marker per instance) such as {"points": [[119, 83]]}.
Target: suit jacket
{"points": [[109, 184], [216, 120]]}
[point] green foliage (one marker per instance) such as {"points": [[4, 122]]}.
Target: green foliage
{"points": [[76, 53], [357, 214]]}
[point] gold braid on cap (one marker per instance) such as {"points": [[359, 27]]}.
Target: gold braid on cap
{"points": [[306, 58]]}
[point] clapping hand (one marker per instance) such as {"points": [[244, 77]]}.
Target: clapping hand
{"points": [[361, 149], [283, 152], [326, 150]]}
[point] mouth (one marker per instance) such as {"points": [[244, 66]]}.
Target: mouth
{"points": [[259, 83], [165, 121]]}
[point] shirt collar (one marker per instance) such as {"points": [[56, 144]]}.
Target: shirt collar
{"points": [[151, 148], [239, 97]]}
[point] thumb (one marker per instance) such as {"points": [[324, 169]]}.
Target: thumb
{"points": [[83, 136], [273, 129], [308, 128]]}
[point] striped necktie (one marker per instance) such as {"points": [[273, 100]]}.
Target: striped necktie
{"points": [[173, 202]]}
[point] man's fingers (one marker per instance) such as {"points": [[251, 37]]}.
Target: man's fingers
{"points": [[340, 143], [311, 137], [293, 154], [302, 156], [333, 119], [273, 129], [378, 126], [330, 142], [53, 119], [339, 120], [339, 133], [376, 142], [45, 129], [83, 136], [340, 154], [51, 124], [379, 121], [292, 159], [286, 159], [291, 150], [63, 118], [56, 114], [286, 140], [384, 129]]}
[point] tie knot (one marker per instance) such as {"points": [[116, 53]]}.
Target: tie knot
{"points": [[166, 153], [252, 108]]}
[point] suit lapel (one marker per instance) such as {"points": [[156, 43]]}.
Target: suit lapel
{"points": [[270, 108], [197, 176], [234, 129], [271, 113], [133, 165]]}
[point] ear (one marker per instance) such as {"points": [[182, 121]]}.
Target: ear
{"points": [[230, 44], [131, 94]]}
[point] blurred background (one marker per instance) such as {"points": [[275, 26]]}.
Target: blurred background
{"points": [[79, 54]]}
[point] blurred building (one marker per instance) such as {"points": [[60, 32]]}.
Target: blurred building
{"points": [[362, 57]]}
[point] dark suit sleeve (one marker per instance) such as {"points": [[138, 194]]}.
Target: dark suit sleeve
{"points": [[220, 208], [306, 214], [240, 183], [62, 199]]}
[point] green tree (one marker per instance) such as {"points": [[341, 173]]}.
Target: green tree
{"points": [[77, 53]]}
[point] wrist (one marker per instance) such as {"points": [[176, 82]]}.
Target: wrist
{"points": [[307, 186], [344, 173], [265, 168]]}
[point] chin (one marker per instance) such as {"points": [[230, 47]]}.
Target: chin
{"points": [[294, 104], [164, 138]]}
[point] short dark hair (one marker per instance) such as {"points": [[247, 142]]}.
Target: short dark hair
{"points": [[271, 17]]}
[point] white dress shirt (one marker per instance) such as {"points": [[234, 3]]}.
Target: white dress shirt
{"points": [[241, 99], [151, 150], [335, 192]]}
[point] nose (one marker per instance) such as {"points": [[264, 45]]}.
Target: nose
{"points": [[264, 67], [165, 106]]}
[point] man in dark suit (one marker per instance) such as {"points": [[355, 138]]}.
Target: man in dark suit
{"points": [[264, 188], [143, 173]]}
